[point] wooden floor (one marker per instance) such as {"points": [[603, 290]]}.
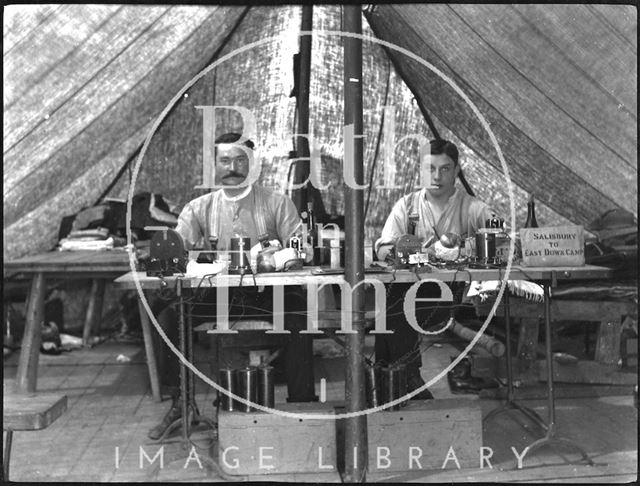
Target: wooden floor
{"points": [[104, 431]]}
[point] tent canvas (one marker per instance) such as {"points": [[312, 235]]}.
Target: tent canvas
{"points": [[85, 83]]}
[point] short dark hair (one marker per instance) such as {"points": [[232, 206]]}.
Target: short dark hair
{"points": [[233, 137], [441, 146]]}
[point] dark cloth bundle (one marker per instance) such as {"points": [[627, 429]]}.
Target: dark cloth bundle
{"points": [[617, 244], [147, 209]]}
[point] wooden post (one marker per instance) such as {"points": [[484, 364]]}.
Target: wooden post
{"points": [[94, 310], [356, 450], [302, 168], [27, 374]]}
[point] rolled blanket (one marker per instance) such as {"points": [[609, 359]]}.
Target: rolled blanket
{"points": [[75, 245], [521, 288]]}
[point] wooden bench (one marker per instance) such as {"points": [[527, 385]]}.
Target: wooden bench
{"points": [[610, 315], [29, 411], [98, 266]]}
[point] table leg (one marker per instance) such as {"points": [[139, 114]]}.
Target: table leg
{"points": [[94, 310], [27, 374], [7, 453], [550, 437], [189, 413], [511, 404], [185, 395], [147, 334]]}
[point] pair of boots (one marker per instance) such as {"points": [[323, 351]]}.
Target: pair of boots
{"points": [[461, 381]]}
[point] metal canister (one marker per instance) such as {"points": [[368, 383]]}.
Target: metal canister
{"points": [[239, 251], [247, 387], [402, 383], [391, 385], [373, 381], [228, 382], [265, 386], [486, 246], [394, 384]]}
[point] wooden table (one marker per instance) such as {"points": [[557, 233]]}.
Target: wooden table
{"points": [[99, 266], [547, 276], [317, 276]]}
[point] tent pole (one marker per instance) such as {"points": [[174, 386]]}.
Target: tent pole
{"points": [[355, 428], [302, 168]]}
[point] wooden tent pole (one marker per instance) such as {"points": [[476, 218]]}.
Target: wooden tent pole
{"points": [[301, 169], [356, 427]]}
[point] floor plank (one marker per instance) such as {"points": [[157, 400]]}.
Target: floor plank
{"points": [[111, 408]]}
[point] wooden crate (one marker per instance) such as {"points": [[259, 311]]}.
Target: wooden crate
{"points": [[290, 445], [426, 430]]}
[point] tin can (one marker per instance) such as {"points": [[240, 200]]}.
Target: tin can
{"points": [[486, 247], [393, 381], [239, 251], [265, 386], [247, 387], [228, 382], [402, 383], [373, 382]]}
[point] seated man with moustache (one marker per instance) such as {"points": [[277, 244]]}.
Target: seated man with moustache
{"points": [[256, 213]]}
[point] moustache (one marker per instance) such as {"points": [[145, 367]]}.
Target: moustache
{"points": [[233, 173]]}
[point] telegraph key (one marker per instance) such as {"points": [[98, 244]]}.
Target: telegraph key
{"points": [[167, 253], [407, 249]]}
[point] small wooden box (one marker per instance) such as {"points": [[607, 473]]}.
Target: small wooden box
{"points": [[426, 430], [289, 445], [552, 246]]}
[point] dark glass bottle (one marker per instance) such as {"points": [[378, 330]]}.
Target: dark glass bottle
{"points": [[531, 214], [311, 222], [312, 235], [304, 216]]}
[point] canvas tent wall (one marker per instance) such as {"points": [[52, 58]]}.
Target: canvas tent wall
{"points": [[84, 84], [557, 84]]}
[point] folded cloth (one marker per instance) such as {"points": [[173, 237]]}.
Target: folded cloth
{"points": [[89, 234], [76, 245], [522, 288], [195, 269]]}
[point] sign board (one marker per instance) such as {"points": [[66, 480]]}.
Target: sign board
{"points": [[552, 246]]}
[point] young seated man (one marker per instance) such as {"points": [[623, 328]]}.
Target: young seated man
{"points": [[441, 208]]}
